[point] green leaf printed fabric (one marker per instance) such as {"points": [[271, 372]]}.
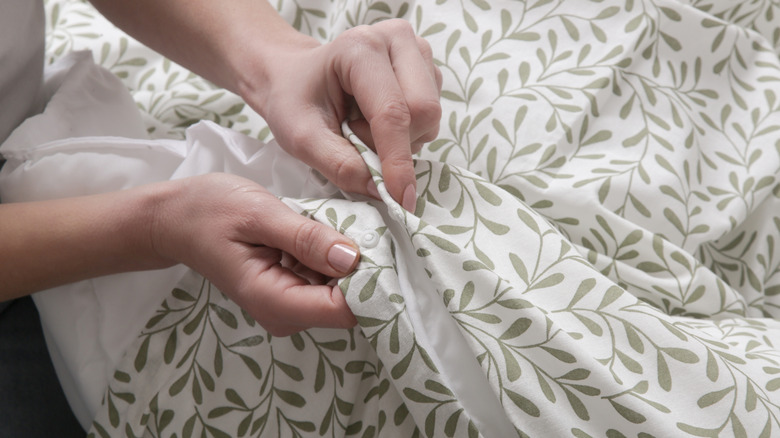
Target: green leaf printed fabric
{"points": [[596, 235]]}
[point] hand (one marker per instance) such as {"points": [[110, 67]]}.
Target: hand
{"points": [[271, 261], [381, 77]]}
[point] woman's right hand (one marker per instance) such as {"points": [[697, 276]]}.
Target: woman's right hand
{"points": [[380, 77]]}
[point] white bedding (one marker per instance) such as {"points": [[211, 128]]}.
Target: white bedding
{"points": [[598, 256]]}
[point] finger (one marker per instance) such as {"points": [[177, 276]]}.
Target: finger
{"points": [[334, 156], [412, 61], [427, 54], [311, 276], [361, 128], [367, 74], [317, 246], [284, 304]]}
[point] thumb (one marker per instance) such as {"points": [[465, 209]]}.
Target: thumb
{"points": [[322, 147], [316, 245]]}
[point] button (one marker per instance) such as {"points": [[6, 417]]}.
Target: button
{"points": [[369, 239]]}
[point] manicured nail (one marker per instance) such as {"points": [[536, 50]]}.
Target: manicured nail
{"points": [[372, 190], [342, 257], [409, 202]]}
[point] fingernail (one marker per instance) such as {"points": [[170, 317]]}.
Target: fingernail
{"points": [[372, 190], [409, 202], [342, 257]]}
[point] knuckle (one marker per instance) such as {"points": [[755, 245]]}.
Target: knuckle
{"points": [[362, 39], [347, 174], [425, 112], [395, 113], [398, 26], [398, 160], [298, 138], [428, 137], [425, 48], [307, 233], [430, 133]]}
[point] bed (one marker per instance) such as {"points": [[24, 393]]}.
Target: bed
{"points": [[594, 251]]}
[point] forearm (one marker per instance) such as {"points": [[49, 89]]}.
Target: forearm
{"points": [[217, 40], [49, 243]]}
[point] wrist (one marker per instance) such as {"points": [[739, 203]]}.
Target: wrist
{"points": [[259, 66], [161, 202]]}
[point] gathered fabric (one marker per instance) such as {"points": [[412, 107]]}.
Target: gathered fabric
{"points": [[593, 252]]}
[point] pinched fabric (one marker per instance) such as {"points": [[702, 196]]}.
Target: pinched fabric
{"points": [[596, 237]]}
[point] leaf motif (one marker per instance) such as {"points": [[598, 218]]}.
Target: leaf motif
{"points": [[473, 265], [698, 431], [400, 368], [650, 267], [417, 396], [612, 294], [179, 384], [442, 243], [487, 194], [367, 291], [528, 220], [523, 403], [484, 258], [182, 295], [170, 347], [519, 266], [141, 356], [664, 376], [450, 427], [591, 325], [682, 355], [713, 397], [494, 227], [582, 290], [630, 364], [250, 341], [549, 281], [252, 365], [516, 329], [225, 315], [290, 397], [563, 356], [628, 413], [773, 385], [292, 371], [453, 229], [577, 405]]}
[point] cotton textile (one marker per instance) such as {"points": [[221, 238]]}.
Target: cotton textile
{"points": [[594, 246]]}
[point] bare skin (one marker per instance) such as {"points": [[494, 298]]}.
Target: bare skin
{"points": [[273, 262], [381, 75], [242, 232]]}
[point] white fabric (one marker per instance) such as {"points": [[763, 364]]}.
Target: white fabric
{"points": [[103, 148], [610, 259], [90, 324]]}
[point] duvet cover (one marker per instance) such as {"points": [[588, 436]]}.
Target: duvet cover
{"points": [[594, 250]]}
